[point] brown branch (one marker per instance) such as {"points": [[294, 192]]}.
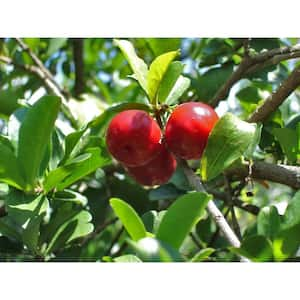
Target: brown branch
{"points": [[42, 68], [79, 65], [212, 208], [251, 64], [271, 104], [253, 209], [284, 174], [47, 82]]}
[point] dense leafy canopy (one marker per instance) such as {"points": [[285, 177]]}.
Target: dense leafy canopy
{"points": [[63, 197]]}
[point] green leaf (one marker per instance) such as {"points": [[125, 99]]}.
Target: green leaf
{"points": [[34, 135], [227, 142], [8, 229], [288, 141], [98, 124], [208, 84], [255, 142], [31, 233], [67, 225], [55, 44], [10, 171], [130, 219], [157, 71], [137, 65], [152, 219], [9, 101], [168, 81], [21, 207], [76, 169], [202, 254], [70, 196], [180, 218], [152, 250], [287, 241], [257, 248], [164, 192], [248, 94], [268, 222], [127, 258], [163, 45], [181, 85]]}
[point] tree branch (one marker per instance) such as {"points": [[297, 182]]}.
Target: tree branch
{"points": [[79, 65], [253, 64], [47, 79], [212, 208], [271, 104], [284, 174]]}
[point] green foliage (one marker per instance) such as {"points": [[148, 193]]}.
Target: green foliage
{"points": [[60, 189], [131, 221], [227, 142], [34, 135], [181, 217]]}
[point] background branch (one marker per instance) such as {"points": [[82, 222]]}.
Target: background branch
{"points": [[271, 104], [77, 45], [251, 64], [284, 174]]}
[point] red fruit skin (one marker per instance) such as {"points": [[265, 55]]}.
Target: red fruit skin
{"points": [[158, 171], [133, 137], [188, 128]]}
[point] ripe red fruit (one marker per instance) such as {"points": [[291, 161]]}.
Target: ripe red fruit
{"points": [[133, 137], [188, 128], [158, 171]]}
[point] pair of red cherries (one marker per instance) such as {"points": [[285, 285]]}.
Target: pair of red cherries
{"points": [[135, 140]]}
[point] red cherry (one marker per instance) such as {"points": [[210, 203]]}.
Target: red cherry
{"points": [[133, 137], [158, 171], [188, 128]]}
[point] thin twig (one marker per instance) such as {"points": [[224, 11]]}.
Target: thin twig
{"points": [[271, 104], [115, 239]]}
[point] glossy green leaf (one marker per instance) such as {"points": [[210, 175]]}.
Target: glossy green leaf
{"points": [[76, 169], [21, 207], [292, 213], [10, 171], [31, 233], [163, 45], [9, 101], [157, 71], [137, 65], [227, 142], [150, 249], [34, 135], [268, 222], [249, 94], [70, 196], [181, 85], [202, 254], [8, 229], [288, 141], [71, 141], [127, 258], [55, 44], [255, 142], [130, 219], [164, 192], [180, 218], [257, 248], [169, 79], [208, 83], [66, 226]]}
